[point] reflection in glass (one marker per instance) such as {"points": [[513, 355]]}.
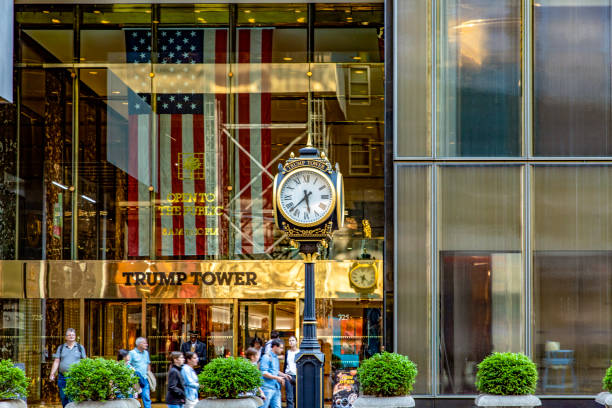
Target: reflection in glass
{"points": [[479, 78], [572, 277], [348, 332], [481, 272], [413, 79], [572, 78], [413, 282], [46, 33]]}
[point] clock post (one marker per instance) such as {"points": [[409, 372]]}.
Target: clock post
{"points": [[308, 207]]}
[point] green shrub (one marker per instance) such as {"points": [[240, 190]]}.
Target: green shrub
{"points": [[99, 380], [228, 377], [607, 380], [507, 374], [13, 382], [387, 375]]}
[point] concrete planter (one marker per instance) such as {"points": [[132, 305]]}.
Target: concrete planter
{"points": [[605, 399], [384, 402], [14, 403], [118, 403], [526, 401], [247, 402]]}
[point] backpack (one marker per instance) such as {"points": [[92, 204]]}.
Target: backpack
{"points": [[81, 350]]}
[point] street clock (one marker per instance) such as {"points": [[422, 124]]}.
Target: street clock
{"points": [[308, 196]]}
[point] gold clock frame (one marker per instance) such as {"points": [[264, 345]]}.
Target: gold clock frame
{"points": [[357, 265], [278, 205]]}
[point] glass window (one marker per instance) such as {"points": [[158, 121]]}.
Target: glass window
{"points": [[207, 14], [479, 78], [45, 33], [106, 31], [572, 78], [413, 270], [10, 187], [481, 272], [572, 277], [413, 78], [45, 209]]}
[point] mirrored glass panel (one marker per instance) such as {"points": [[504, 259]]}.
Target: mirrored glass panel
{"points": [[481, 269], [413, 270], [572, 277], [479, 78], [572, 78]]}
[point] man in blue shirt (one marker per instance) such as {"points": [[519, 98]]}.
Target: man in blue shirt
{"points": [[272, 377], [139, 359]]}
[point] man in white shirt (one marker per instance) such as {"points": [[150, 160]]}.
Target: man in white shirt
{"points": [[291, 371]]}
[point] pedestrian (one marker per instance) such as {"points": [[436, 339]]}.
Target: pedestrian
{"points": [[273, 336], [291, 370], [66, 355], [252, 355], [141, 362], [124, 357], [175, 392], [190, 379], [257, 344], [272, 376], [194, 345]]}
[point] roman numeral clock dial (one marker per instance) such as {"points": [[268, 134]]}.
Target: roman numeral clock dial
{"points": [[306, 197]]}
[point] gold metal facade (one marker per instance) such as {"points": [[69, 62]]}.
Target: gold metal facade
{"points": [[179, 279]]}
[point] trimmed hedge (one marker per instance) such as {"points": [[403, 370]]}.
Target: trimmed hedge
{"points": [[227, 378], [607, 380], [99, 379], [13, 381], [387, 375], [507, 374]]}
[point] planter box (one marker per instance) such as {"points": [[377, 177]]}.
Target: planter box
{"points": [[526, 401], [248, 402], [118, 403], [384, 402], [605, 399], [16, 403]]}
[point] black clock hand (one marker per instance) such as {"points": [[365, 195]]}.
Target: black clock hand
{"points": [[306, 197]]}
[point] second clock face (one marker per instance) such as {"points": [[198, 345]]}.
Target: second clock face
{"points": [[306, 197]]}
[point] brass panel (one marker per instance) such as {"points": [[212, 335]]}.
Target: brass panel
{"points": [[11, 279], [177, 280]]}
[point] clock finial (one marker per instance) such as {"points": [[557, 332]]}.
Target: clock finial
{"points": [[309, 142]]}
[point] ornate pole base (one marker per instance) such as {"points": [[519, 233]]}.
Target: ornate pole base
{"points": [[309, 361]]}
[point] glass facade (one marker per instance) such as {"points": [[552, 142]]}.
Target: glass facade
{"points": [[142, 146], [501, 191]]}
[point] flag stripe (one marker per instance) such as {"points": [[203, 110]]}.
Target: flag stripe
{"points": [[132, 209], [220, 242], [176, 130], [199, 185], [165, 182], [244, 162], [188, 216], [266, 141], [256, 207]]}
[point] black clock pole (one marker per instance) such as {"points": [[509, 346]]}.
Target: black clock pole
{"points": [[309, 361]]}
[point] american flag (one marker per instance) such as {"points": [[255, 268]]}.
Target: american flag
{"points": [[191, 178]]}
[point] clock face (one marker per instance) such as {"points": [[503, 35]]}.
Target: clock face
{"points": [[306, 197], [363, 276]]}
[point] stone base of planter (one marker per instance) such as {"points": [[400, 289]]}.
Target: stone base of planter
{"points": [[248, 402], [118, 403], [604, 398], [384, 402], [13, 404], [526, 401]]}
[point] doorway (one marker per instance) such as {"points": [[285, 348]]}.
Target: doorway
{"points": [[110, 326], [260, 318]]}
